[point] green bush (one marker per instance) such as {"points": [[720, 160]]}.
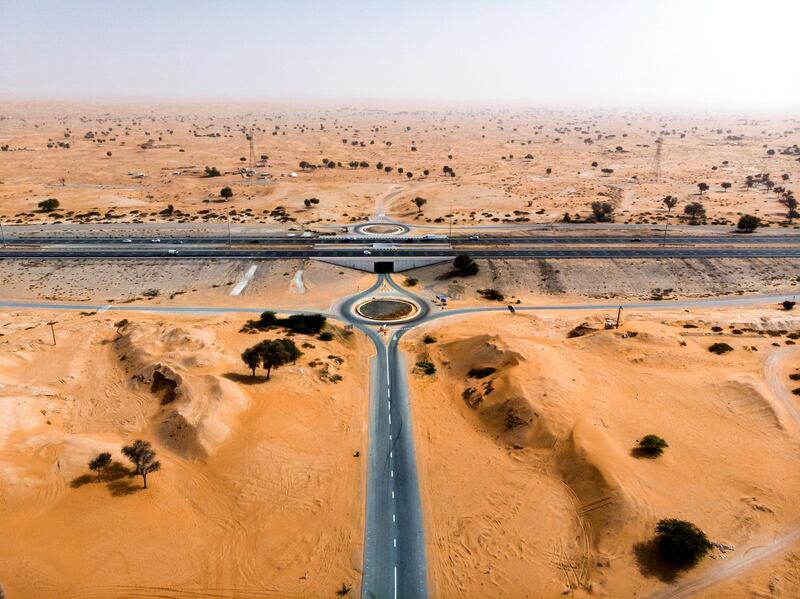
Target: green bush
{"points": [[720, 348], [492, 294], [325, 336], [650, 446], [428, 339], [308, 324], [425, 367], [680, 544]]}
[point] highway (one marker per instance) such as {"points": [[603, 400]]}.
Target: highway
{"points": [[216, 240], [182, 252]]}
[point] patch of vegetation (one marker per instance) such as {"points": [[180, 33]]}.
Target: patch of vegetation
{"points": [[680, 544], [465, 266], [305, 324], [211, 171], [325, 336], [48, 205], [481, 373], [491, 294], [425, 367], [428, 339], [411, 282], [270, 354], [650, 446], [720, 348]]}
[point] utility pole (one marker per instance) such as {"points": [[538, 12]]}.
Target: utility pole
{"points": [[664, 241], [53, 331], [619, 312]]}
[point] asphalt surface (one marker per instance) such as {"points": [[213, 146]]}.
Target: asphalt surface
{"points": [[216, 240], [394, 541], [184, 252]]}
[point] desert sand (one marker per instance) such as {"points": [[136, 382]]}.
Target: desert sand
{"points": [[561, 504], [259, 493], [129, 163]]}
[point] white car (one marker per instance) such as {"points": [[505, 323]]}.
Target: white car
{"points": [[155, 240], [173, 252], [127, 241], [367, 253]]}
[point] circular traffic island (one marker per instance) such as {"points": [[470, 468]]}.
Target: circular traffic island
{"points": [[382, 229], [387, 309]]}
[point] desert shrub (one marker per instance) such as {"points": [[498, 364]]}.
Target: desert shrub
{"points": [[411, 282], [650, 446], [680, 544], [309, 324], [424, 367], [748, 223], [325, 336], [48, 205], [788, 304], [720, 348], [492, 294], [428, 339], [465, 266], [481, 373], [211, 171]]}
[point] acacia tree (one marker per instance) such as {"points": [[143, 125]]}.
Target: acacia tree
{"points": [[143, 458], [252, 357], [695, 210], [725, 186], [748, 223], [226, 192], [602, 211], [670, 202], [703, 187], [100, 463], [420, 202], [680, 544]]}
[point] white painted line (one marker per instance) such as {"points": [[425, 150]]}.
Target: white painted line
{"points": [[391, 454], [239, 287], [392, 494], [391, 473], [395, 542], [390, 405], [390, 436], [390, 418], [388, 393], [394, 519], [395, 582]]}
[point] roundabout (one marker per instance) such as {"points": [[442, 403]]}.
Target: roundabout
{"points": [[387, 309], [380, 229]]}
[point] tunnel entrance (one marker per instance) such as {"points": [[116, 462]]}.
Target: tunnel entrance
{"points": [[384, 267]]}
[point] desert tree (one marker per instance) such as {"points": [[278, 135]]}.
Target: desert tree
{"points": [[226, 192], [143, 458], [680, 544], [420, 202], [748, 223], [252, 358], [49, 205], [602, 211], [703, 187], [100, 463], [670, 202], [274, 354], [694, 210], [650, 446], [725, 185], [465, 265]]}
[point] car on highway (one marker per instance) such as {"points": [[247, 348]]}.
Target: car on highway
{"points": [[127, 241], [178, 241], [155, 240], [635, 240], [173, 252], [474, 236], [367, 253]]}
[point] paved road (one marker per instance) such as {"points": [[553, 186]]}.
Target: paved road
{"points": [[216, 240], [394, 541], [508, 253]]}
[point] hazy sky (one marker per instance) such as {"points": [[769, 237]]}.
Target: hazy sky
{"points": [[664, 53]]}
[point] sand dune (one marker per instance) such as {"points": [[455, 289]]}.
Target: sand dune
{"points": [[259, 494], [559, 426]]}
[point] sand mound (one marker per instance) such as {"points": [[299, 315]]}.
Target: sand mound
{"points": [[198, 408], [593, 466]]}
